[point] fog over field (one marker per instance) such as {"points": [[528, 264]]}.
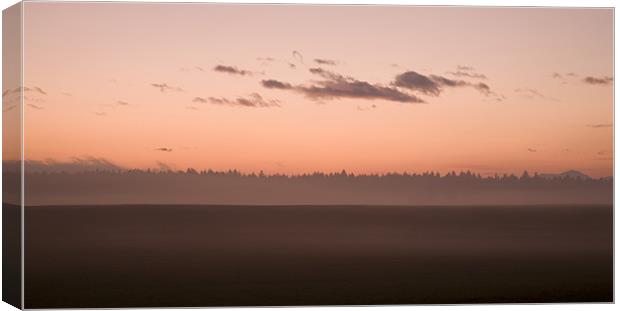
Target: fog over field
{"points": [[179, 255], [233, 187]]}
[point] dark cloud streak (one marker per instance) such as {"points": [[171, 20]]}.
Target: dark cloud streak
{"points": [[254, 100], [433, 85], [321, 61], [464, 74], [232, 70], [164, 87], [35, 106], [598, 81], [336, 86], [601, 125], [275, 84]]}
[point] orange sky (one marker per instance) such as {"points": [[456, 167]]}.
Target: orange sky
{"points": [[89, 57]]}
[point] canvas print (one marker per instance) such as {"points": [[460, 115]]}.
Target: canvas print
{"points": [[199, 155]]}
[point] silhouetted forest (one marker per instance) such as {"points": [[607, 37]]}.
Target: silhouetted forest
{"points": [[233, 187]]}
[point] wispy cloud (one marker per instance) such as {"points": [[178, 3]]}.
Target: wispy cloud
{"points": [[532, 94], [122, 103], [557, 75], [76, 164], [254, 100], [34, 89], [465, 68], [298, 56], [266, 60], [433, 85], [31, 89], [467, 72], [34, 99], [464, 74], [486, 90], [564, 77], [10, 96], [200, 100], [39, 90], [24, 89], [164, 87], [418, 82], [35, 106], [195, 68], [598, 81], [275, 84], [9, 108], [600, 125], [531, 150], [335, 86], [163, 149], [360, 108], [100, 113], [232, 70], [322, 61]]}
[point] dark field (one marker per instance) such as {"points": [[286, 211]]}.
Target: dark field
{"points": [[165, 256]]}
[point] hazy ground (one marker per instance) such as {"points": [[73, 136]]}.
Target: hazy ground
{"points": [[148, 256]]}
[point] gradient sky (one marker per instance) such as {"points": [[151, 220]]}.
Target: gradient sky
{"points": [[548, 106]]}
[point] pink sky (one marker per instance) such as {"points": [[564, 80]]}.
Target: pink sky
{"points": [[89, 57]]}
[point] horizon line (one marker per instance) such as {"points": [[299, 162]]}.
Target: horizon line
{"points": [[343, 172]]}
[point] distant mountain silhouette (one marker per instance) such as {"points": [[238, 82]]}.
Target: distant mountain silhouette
{"points": [[568, 174]]}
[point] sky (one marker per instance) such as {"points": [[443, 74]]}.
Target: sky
{"points": [[298, 88]]}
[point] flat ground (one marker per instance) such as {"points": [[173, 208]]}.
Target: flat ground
{"points": [[181, 256]]}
